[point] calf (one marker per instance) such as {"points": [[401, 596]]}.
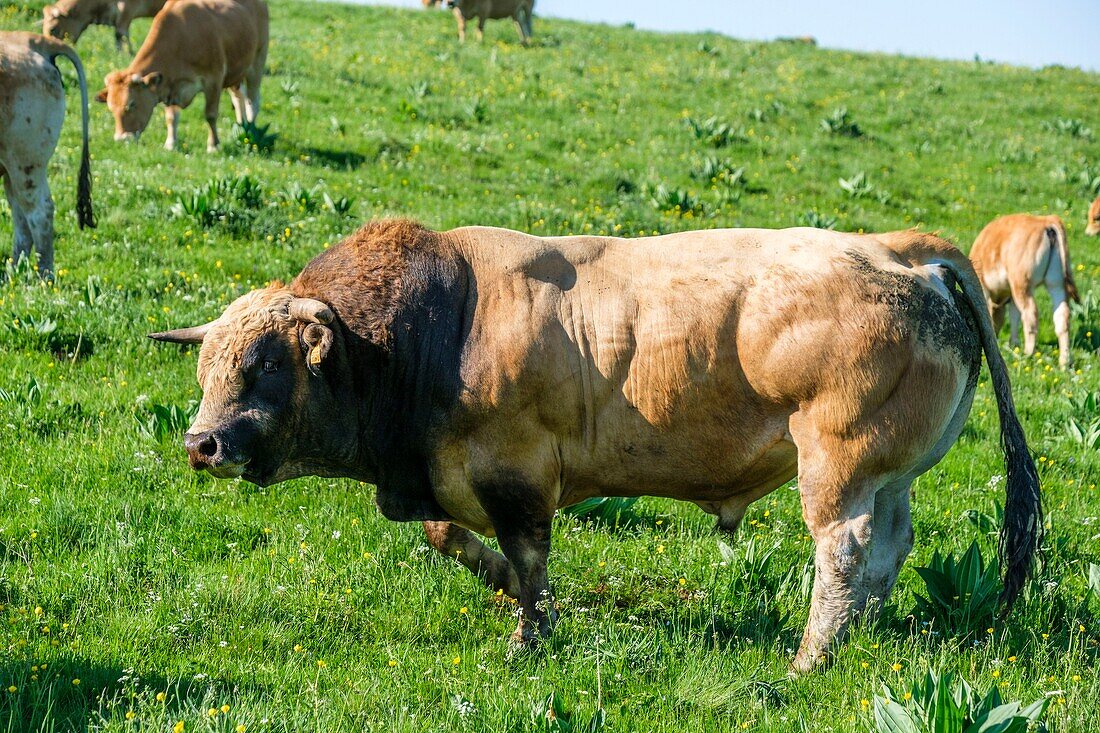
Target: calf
{"points": [[69, 18], [32, 109], [1092, 227], [1013, 255], [193, 46], [518, 10]]}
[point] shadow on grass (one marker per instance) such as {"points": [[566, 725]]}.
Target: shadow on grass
{"points": [[68, 693], [345, 160]]}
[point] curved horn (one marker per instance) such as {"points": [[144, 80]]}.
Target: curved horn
{"points": [[310, 311], [192, 335]]}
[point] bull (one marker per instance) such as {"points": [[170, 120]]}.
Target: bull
{"points": [[482, 378]]}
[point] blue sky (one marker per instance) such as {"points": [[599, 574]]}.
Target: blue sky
{"points": [[1026, 32]]}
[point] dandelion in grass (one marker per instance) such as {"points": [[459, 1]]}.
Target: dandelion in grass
{"points": [[76, 682], [13, 689], [161, 696], [456, 661], [212, 712], [178, 727]]}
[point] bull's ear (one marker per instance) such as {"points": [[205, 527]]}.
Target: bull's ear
{"points": [[317, 341], [193, 335], [153, 80], [101, 96]]}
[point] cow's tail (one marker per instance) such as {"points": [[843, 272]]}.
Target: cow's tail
{"points": [[1056, 235], [1022, 530], [84, 215]]}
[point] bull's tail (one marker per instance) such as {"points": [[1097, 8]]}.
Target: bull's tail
{"points": [[52, 49], [1022, 531], [1056, 235]]}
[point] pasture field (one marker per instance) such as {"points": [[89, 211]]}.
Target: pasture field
{"points": [[135, 595]]}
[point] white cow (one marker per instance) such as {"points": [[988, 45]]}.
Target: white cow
{"points": [[32, 109]]}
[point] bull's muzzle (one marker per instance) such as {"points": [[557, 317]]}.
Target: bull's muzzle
{"points": [[206, 452]]}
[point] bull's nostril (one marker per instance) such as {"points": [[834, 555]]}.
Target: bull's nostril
{"points": [[209, 446]]}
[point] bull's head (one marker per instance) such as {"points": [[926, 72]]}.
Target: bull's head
{"points": [[58, 24], [131, 99], [267, 413], [1092, 228]]}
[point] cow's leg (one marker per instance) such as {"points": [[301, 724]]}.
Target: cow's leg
{"points": [[523, 24], [997, 315], [1061, 320], [892, 541], [172, 122], [1013, 324], [212, 96], [252, 88], [30, 190], [1029, 313], [481, 28], [467, 549], [461, 20], [23, 241], [237, 98]]}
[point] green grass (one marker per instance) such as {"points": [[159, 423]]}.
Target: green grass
{"points": [[298, 606]]}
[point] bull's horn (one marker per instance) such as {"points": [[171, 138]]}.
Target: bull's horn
{"points": [[310, 310], [192, 335]]}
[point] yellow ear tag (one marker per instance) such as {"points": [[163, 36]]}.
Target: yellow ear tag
{"points": [[315, 355]]}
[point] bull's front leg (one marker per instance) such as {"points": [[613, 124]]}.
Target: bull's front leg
{"points": [[492, 568], [523, 528]]}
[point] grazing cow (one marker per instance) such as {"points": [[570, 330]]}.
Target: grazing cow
{"points": [[485, 378], [67, 19], [518, 10], [193, 46], [32, 109], [1092, 228], [1014, 254]]}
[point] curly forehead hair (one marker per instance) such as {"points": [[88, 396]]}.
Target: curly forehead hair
{"points": [[245, 320]]}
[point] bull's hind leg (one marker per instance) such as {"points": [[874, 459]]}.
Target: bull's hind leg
{"points": [[840, 517], [892, 541], [467, 549]]}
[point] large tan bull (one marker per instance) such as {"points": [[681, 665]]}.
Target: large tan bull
{"points": [[32, 110], [484, 10], [1013, 255], [193, 46], [483, 378], [68, 19]]}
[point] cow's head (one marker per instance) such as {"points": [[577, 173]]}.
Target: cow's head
{"points": [[1092, 228], [268, 413], [59, 24], [131, 99]]}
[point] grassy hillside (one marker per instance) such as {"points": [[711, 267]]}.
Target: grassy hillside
{"points": [[125, 577]]}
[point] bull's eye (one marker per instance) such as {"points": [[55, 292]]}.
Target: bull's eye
{"points": [[270, 366]]}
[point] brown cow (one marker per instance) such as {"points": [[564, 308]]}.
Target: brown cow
{"points": [[486, 378], [193, 46], [1014, 254], [67, 19], [32, 109], [1092, 228], [518, 10]]}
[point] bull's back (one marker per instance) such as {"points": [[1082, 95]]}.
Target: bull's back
{"points": [[671, 365]]}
